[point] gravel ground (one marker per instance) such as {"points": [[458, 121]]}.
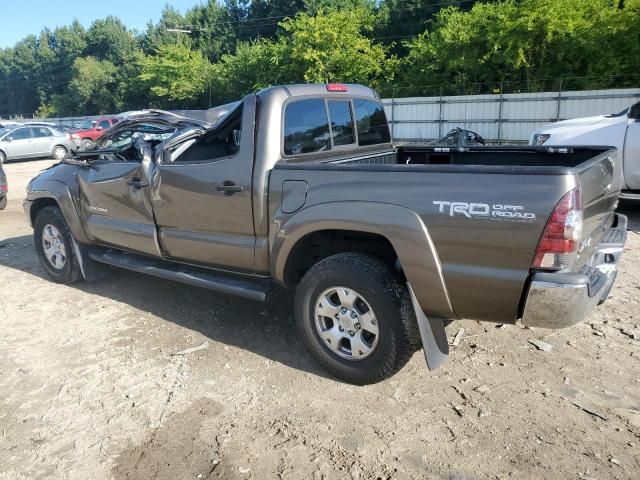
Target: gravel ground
{"points": [[90, 387]]}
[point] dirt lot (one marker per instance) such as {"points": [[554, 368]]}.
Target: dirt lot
{"points": [[89, 387]]}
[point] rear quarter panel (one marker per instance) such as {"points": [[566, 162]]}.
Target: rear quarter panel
{"points": [[484, 260]]}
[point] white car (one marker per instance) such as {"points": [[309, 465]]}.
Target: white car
{"points": [[33, 141], [621, 130]]}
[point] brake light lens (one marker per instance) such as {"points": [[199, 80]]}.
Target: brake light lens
{"points": [[561, 234], [336, 87]]}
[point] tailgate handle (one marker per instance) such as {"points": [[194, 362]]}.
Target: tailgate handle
{"points": [[229, 188]]}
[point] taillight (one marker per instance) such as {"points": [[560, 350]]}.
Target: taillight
{"points": [[336, 87], [561, 234], [4, 188]]}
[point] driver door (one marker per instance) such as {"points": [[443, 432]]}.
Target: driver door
{"points": [[115, 201]]}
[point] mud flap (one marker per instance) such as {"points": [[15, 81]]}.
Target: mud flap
{"points": [[433, 335], [91, 270]]}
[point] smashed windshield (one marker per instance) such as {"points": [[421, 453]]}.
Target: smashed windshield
{"points": [[126, 137]]}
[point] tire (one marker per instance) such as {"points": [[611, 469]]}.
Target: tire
{"points": [[3, 203], [64, 268], [59, 152], [3, 157], [382, 291], [86, 144]]}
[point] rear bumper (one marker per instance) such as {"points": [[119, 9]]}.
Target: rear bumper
{"points": [[558, 300]]}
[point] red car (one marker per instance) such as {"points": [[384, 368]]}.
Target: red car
{"points": [[90, 130]]}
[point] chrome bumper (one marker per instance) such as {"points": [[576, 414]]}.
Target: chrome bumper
{"points": [[558, 300]]}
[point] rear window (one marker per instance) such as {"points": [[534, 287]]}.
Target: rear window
{"points": [[341, 122], [38, 132], [306, 127], [371, 122]]}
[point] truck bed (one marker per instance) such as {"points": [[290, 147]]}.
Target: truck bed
{"points": [[485, 261]]}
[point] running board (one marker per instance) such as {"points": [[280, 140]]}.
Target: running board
{"points": [[197, 277]]}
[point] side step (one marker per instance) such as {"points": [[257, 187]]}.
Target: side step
{"points": [[198, 277]]}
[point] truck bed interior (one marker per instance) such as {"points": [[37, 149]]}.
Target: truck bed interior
{"points": [[496, 156], [502, 156]]}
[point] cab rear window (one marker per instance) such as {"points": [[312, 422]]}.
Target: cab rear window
{"points": [[371, 122], [306, 127], [320, 124]]}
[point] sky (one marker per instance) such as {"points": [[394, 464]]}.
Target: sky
{"points": [[24, 17]]}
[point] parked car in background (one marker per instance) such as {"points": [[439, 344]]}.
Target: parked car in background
{"points": [[89, 131], [620, 130], [33, 142], [4, 187]]}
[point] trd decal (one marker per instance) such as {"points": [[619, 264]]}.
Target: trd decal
{"points": [[495, 211]]}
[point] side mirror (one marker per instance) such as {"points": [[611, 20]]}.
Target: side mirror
{"points": [[634, 111]]}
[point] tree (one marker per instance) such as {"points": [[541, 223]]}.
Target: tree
{"points": [[328, 47], [333, 47], [109, 39], [525, 45], [212, 29], [90, 90], [175, 73], [402, 19]]}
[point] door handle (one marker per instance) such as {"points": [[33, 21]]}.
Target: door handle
{"points": [[229, 188], [136, 183]]}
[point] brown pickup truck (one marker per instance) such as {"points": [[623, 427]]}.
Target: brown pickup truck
{"points": [[301, 186]]}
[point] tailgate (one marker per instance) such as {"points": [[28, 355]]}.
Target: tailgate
{"points": [[600, 182]]}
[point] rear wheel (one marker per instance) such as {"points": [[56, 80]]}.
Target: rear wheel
{"points": [[356, 318], [54, 246], [59, 152]]}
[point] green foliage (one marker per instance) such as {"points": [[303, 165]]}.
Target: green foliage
{"points": [[328, 47], [333, 47], [91, 88], [45, 110], [175, 73], [529, 44], [397, 46]]}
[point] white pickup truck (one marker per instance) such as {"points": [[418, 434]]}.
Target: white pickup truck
{"points": [[621, 130]]}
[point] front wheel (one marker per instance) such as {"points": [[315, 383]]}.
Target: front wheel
{"points": [[54, 246], [356, 318]]}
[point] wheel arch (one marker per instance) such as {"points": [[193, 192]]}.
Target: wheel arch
{"points": [[52, 193], [394, 229]]}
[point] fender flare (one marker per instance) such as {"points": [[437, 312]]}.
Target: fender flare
{"points": [[404, 229], [58, 191]]}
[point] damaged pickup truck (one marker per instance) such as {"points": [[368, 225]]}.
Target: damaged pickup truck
{"points": [[300, 186]]}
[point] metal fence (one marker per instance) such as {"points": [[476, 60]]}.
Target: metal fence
{"points": [[499, 117]]}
